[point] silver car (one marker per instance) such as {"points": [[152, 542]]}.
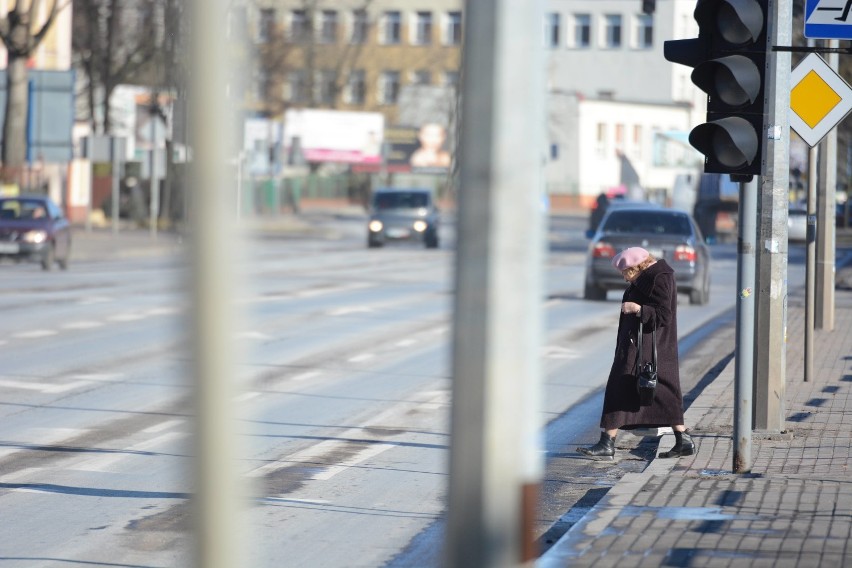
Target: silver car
{"points": [[403, 215], [666, 233]]}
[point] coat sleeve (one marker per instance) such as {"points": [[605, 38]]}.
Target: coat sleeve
{"points": [[656, 311]]}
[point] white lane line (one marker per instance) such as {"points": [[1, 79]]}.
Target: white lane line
{"points": [[95, 300], [316, 454], [361, 358], [349, 310], [67, 387], [405, 343], [291, 500], [102, 462], [253, 335], [306, 376], [99, 377], [331, 290], [440, 330], [557, 352], [82, 325], [34, 334], [41, 387], [126, 317], [161, 311], [162, 426], [372, 451], [246, 396], [3, 342]]}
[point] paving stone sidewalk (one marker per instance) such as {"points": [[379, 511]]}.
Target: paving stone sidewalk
{"points": [[793, 509]]}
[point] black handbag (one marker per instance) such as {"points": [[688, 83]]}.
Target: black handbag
{"points": [[646, 373]]}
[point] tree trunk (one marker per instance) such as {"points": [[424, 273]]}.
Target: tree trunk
{"points": [[15, 128]]}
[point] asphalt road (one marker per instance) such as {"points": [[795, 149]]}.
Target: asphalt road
{"points": [[343, 393]]}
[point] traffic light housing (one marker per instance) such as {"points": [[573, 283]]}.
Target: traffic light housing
{"points": [[729, 64]]}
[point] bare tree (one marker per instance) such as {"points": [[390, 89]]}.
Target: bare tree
{"points": [[21, 34], [117, 42]]}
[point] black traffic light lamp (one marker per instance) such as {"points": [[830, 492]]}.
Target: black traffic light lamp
{"points": [[729, 61]]}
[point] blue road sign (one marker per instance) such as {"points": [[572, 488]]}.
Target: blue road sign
{"points": [[828, 19]]}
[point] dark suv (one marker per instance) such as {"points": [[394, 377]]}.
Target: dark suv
{"points": [[402, 215]]}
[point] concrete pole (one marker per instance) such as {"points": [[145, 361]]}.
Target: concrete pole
{"points": [[771, 327], [155, 182], [824, 311], [495, 457], [744, 362], [213, 240], [810, 270]]}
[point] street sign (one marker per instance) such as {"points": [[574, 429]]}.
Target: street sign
{"points": [[828, 19], [819, 99]]}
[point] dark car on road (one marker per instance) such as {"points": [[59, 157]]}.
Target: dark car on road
{"points": [[33, 228], [666, 233], [403, 215]]}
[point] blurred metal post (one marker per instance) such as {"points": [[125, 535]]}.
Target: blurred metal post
{"points": [[744, 361], [495, 458], [770, 372], [826, 203], [211, 294], [114, 147], [810, 262], [155, 182]]}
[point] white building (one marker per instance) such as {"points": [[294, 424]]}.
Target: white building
{"points": [[618, 112]]}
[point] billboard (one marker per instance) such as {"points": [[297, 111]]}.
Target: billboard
{"points": [[335, 136], [419, 150]]}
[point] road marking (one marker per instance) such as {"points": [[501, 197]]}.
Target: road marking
{"points": [[557, 352], [102, 462], [66, 387], [315, 454], [162, 426], [253, 335], [361, 358], [331, 289], [349, 310], [306, 376], [126, 317], [34, 334], [405, 343], [82, 325], [246, 396], [291, 500], [95, 300], [161, 311], [99, 377]]}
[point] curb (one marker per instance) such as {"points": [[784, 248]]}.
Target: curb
{"points": [[574, 543]]}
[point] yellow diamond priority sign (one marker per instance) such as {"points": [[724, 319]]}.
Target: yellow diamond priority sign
{"points": [[819, 99]]}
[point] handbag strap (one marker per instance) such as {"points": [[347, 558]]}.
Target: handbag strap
{"points": [[639, 345]]}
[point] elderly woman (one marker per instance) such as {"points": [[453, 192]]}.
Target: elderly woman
{"points": [[651, 297]]}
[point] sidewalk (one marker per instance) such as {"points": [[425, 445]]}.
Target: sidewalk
{"points": [[793, 509]]}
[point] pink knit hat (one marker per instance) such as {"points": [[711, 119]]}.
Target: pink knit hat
{"points": [[628, 258]]}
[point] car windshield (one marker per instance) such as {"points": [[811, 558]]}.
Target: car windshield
{"points": [[651, 222], [21, 209], [401, 200]]}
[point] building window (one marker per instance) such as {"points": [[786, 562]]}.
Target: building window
{"points": [[262, 85], [423, 28], [582, 30], [552, 24], [612, 33], [266, 26], [453, 29], [360, 25], [389, 87], [619, 136], [600, 140], [451, 79], [644, 31], [637, 140], [391, 28], [297, 87], [299, 26], [356, 87], [328, 26], [421, 77], [327, 87], [554, 152]]}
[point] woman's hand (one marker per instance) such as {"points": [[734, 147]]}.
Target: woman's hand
{"points": [[630, 308]]}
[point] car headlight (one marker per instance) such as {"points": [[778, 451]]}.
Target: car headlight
{"points": [[34, 237], [420, 226], [375, 226]]}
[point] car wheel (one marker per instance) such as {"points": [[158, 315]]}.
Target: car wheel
{"points": [[699, 297], [373, 244], [63, 262], [592, 292], [49, 258], [432, 242]]}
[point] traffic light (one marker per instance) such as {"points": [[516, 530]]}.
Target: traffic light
{"points": [[729, 61]]}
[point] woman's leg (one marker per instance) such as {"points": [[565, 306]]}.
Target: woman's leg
{"points": [[684, 446], [605, 448]]}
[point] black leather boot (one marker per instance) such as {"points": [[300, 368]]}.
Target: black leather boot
{"points": [[684, 446], [604, 449]]}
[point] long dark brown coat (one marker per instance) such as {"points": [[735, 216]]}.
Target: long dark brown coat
{"points": [[655, 290]]}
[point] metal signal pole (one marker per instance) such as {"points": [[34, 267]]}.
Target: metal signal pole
{"points": [[824, 311]]}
